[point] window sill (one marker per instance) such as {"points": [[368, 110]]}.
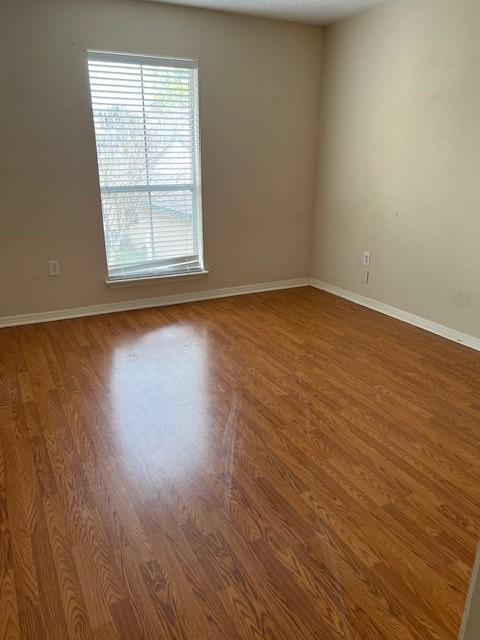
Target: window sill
{"points": [[146, 280]]}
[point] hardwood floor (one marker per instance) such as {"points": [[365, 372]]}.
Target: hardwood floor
{"points": [[283, 465]]}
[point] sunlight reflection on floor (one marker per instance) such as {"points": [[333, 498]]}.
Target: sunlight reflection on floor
{"points": [[159, 391]]}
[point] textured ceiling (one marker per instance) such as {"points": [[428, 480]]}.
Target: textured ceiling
{"points": [[311, 11]]}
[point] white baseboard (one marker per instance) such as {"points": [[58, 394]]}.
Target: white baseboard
{"points": [[145, 303], [162, 301], [399, 314]]}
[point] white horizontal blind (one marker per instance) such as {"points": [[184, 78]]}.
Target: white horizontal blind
{"points": [[146, 127]]}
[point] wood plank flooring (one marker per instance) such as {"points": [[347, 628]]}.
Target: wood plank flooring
{"points": [[277, 466]]}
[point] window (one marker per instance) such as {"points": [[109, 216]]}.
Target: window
{"points": [[145, 114]]}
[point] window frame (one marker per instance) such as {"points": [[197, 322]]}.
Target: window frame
{"points": [[161, 268]]}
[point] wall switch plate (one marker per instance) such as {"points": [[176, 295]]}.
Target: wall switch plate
{"points": [[54, 267], [366, 258], [366, 277]]}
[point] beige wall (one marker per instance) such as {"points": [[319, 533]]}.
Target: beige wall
{"points": [[399, 170], [259, 98], [399, 151]]}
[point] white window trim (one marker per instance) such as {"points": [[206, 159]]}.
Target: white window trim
{"points": [[183, 63], [117, 283]]}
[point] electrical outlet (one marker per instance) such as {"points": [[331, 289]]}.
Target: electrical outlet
{"points": [[54, 267], [366, 277], [366, 258]]}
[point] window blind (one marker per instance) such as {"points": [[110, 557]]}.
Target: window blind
{"points": [[145, 113]]}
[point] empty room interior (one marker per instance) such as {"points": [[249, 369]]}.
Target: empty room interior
{"points": [[240, 320]]}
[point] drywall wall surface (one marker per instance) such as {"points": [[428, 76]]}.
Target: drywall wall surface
{"points": [[259, 100], [399, 159]]}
